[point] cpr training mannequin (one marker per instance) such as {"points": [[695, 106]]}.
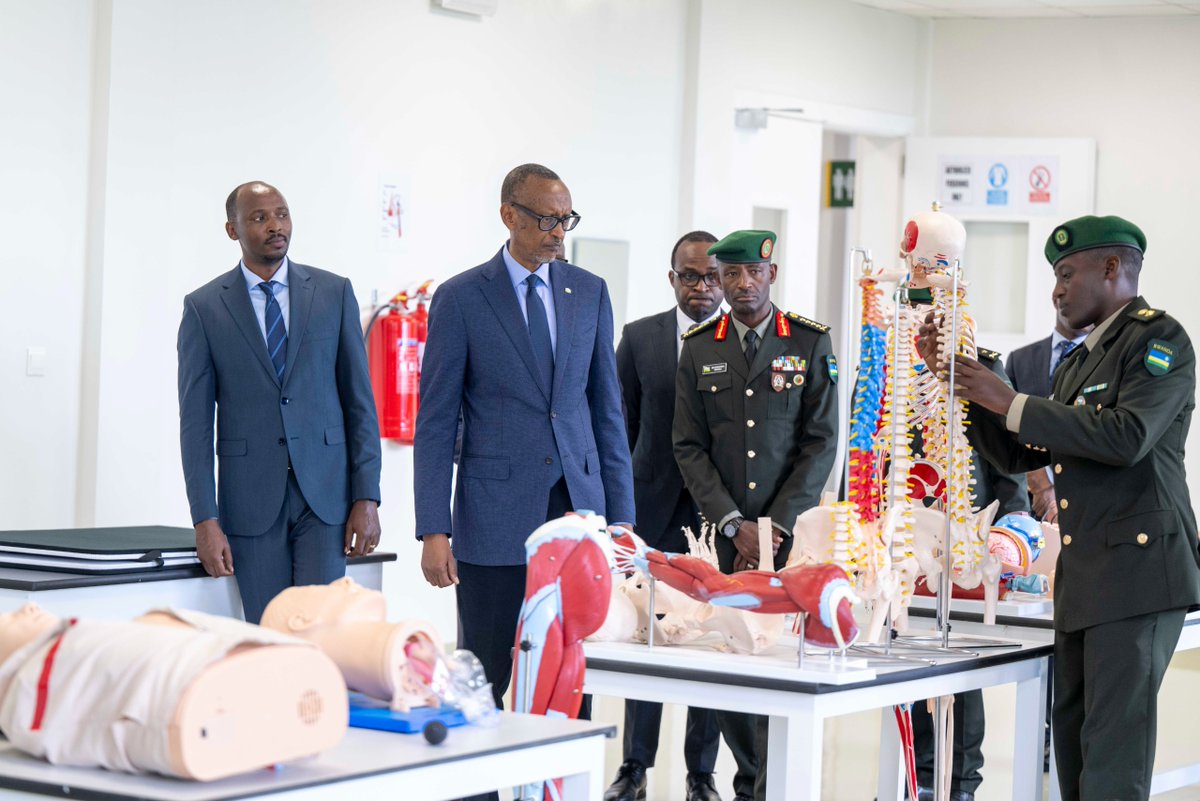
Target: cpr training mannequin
{"points": [[178, 693], [397, 662]]}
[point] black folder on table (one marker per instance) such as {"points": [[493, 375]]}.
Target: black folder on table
{"points": [[120, 549]]}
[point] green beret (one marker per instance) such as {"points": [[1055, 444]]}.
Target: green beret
{"points": [[1085, 233], [745, 247]]}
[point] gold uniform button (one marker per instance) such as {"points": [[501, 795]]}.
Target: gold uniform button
{"points": [[749, 392], [1067, 539], [714, 387], [1057, 469], [1062, 504], [1142, 538], [750, 454], [752, 485], [749, 424]]}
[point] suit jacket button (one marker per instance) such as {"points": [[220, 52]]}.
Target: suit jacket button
{"points": [[751, 485], [749, 424], [282, 441], [549, 460], [1067, 539], [553, 415], [750, 454], [1057, 469], [714, 387], [285, 401], [749, 392], [1142, 538], [1063, 503]]}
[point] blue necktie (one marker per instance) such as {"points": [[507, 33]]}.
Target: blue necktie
{"points": [[539, 331], [1064, 349], [276, 332]]}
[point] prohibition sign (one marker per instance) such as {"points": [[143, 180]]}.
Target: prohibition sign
{"points": [[1039, 178]]}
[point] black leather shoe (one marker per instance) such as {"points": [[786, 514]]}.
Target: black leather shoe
{"points": [[700, 787], [630, 784]]}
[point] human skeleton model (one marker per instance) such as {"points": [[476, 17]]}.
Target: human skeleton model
{"points": [[679, 619], [178, 693], [880, 536], [401, 663]]}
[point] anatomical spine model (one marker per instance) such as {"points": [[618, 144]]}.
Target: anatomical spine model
{"points": [[880, 535]]}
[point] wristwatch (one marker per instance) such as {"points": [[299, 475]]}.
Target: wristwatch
{"points": [[730, 529]]}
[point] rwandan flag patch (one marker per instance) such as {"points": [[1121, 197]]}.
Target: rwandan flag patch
{"points": [[1159, 356]]}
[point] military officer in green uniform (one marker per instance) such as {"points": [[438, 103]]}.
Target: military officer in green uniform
{"points": [[1113, 431], [755, 434]]}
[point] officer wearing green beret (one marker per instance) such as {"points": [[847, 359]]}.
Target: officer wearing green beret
{"points": [[1113, 431], [755, 433]]}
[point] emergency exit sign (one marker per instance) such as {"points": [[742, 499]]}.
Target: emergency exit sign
{"points": [[839, 184]]}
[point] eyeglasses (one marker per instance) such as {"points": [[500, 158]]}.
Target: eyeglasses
{"points": [[691, 279], [548, 222]]}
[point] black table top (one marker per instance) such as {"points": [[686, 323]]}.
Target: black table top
{"points": [[17, 578]]}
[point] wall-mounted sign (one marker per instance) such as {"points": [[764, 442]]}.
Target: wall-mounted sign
{"points": [[1016, 185], [839, 184]]}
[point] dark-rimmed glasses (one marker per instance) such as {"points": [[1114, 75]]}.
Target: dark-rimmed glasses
{"points": [[691, 279], [548, 222]]}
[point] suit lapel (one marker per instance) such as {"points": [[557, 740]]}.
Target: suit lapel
{"points": [[237, 301], [564, 320], [498, 291], [666, 344], [300, 300], [731, 349], [1078, 374]]}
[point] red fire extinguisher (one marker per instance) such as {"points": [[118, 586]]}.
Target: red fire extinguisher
{"points": [[393, 347]]}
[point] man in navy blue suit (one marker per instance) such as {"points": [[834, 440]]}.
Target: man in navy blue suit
{"points": [[520, 354], [273, 349]]}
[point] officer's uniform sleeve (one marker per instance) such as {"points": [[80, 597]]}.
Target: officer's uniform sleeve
{"points": [[816, 440], [1123, 431], [1010, 489], [692, 440]]}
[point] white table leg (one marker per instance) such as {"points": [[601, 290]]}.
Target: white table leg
{"points": [[1029, 736], [794, 757], [891, 763], [587, 786]]}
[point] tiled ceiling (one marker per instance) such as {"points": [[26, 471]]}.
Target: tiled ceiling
{"points": [[992, 9]]}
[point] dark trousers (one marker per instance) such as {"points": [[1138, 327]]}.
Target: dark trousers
{"points": [[299, 548], [643, 719], [746, 735], [1106, 681], [489, 605], [967, 746]]}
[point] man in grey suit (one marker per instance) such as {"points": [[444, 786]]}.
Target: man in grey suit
{"points": [[647, 359], [520, 352], [274, 349]]}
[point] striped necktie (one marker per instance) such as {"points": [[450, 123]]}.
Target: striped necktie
{"points": [[276, 330], [1064, 349]]}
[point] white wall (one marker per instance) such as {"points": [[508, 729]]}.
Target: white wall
{"points": [[1127, 83], [43, 213]]}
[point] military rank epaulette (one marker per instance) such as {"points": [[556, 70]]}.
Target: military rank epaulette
{"points": [[988, 355], [1146, 315], [813, 324], [703, 326]]}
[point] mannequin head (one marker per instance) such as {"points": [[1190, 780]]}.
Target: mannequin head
{"points": [[23, 626], [301, 610], [932, 241]]}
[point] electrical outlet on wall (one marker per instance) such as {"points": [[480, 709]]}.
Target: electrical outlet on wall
{"points": [[35, 361]]}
